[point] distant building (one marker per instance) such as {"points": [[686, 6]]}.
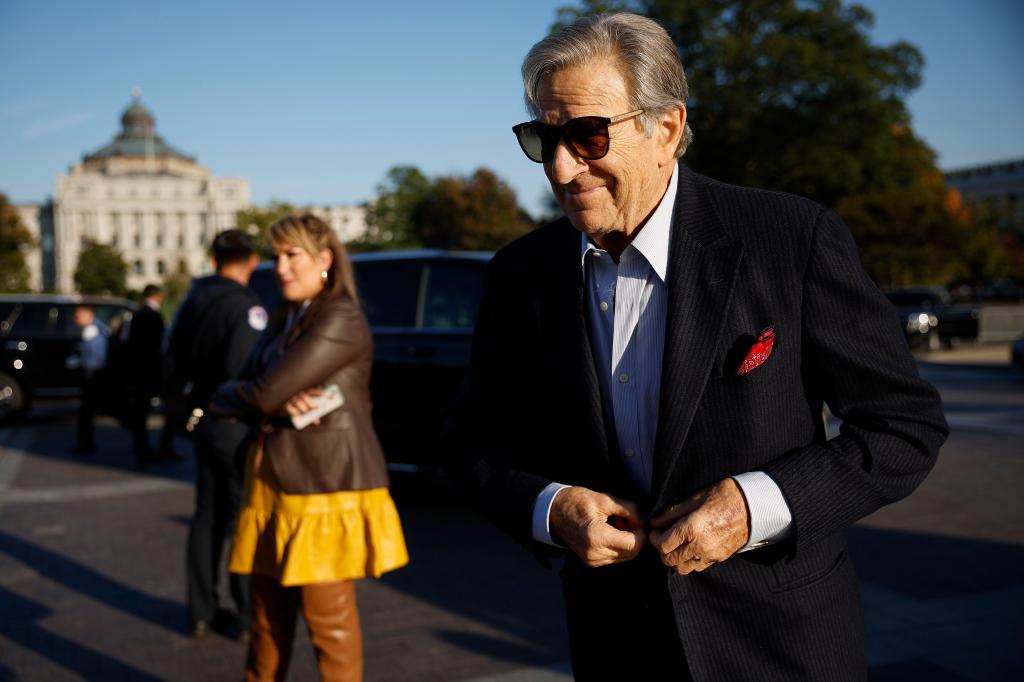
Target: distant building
{"points": [[998, 185], [152, 202]]}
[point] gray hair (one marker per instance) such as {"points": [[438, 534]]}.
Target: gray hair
{"points": [[647, 58]]}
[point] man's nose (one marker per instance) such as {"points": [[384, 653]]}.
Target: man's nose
{"points": [[565, 165]]}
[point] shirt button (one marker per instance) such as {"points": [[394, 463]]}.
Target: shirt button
{"points": [[604, 305], [630, 452], [623, 378]]}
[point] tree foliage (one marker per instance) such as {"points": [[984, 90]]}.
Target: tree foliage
{"points": [[938, 238], [479, 212], [792, 95], [476, 213], [256, 222], [101, 270], [15, 240], [389, 217]]}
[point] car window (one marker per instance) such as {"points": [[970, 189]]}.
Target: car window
{"points": [[453, 294], [108, 314], [37, 318], [389, 291]]}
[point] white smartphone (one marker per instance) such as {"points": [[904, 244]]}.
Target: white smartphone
{"points": [[325, 403]]}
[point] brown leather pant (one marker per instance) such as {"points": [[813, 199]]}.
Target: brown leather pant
{"points": [[331, 616]]}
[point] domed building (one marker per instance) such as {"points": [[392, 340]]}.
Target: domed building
{"points": [[154, 203]]}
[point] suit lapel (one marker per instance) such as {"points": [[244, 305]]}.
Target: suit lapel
{"points": [[702, 268], [575, 359]]}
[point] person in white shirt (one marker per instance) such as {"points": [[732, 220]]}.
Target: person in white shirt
{"points": [[95, 341]]}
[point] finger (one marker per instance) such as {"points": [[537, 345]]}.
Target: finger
{"points": [[291, 409], [316, 422], [610, 546], [678, 534], [622, 509]]}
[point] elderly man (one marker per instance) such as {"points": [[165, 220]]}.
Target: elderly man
{"points": [[647, 383]]}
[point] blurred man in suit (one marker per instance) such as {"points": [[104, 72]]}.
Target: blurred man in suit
{"points": [[143, 338]]}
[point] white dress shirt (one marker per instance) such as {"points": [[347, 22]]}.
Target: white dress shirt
{"points": [[626, 307]]}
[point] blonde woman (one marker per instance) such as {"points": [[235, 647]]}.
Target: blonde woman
{"points": [[318, 513]]}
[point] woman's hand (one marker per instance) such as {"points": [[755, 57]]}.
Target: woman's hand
{"points": [[301, 402]]}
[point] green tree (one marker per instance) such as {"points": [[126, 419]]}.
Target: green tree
{"points": [[175, 287], [921, 233], [101, 270], [389, 217], [256, 221], [15, 240], [792, 95], [450, 212], [475, 213]]}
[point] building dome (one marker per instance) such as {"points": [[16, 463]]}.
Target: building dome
{"points": [[138, 138], [136, 121]]}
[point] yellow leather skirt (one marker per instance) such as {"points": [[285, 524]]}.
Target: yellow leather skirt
{"points": [[305, 539]]}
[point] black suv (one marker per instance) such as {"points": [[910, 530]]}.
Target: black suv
{"points": [[422, 307], [931, 319], [40, 345]]}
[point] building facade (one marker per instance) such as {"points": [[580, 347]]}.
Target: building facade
{"points": [[1000, 186], [153, 203]]}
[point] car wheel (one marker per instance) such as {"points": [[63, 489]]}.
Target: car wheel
{"points": [[13, 399]]}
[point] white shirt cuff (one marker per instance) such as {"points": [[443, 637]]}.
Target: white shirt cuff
{"points": [[542, 513], [770, 517]]}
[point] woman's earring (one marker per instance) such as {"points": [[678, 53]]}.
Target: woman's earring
{"points": [[323, 276]]}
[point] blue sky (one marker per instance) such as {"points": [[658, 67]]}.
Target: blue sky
{"points": [[314, 101]]}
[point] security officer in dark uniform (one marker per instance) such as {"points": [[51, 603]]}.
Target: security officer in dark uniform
{"points": [[216, 328]]}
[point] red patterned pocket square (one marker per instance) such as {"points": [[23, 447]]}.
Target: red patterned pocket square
{"points": [[759, 352]]}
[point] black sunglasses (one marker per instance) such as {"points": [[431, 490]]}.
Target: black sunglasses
{"points": [[586, 136]]}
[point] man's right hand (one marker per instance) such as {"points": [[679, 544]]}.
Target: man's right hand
{"points": [[600, 529]]}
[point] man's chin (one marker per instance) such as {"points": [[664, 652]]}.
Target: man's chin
{"points": [[586, 224]]}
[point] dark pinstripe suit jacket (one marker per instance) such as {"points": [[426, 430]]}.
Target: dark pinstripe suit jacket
{"points": [[740, 260]]}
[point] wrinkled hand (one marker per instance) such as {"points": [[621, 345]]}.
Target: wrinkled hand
{"points": [[707, 528], [301, 402], [600, 529]]}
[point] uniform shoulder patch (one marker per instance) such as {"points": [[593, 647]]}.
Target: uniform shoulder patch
{"points": [[257, 318]]}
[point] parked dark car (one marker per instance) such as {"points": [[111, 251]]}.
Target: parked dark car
{"points": [[932, 320], [40, 346], [422, 308]]}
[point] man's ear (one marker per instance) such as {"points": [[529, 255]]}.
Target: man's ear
{"points": [[670, 127]]}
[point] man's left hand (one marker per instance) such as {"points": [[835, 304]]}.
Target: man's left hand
{"points": [[706, 529]]}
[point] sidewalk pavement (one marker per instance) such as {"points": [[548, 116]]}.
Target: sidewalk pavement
{"points": [[979, 355], [92, 574]]}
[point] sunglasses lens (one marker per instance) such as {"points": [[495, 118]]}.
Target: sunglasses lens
{"points": [[588, 136], [531, 139]]}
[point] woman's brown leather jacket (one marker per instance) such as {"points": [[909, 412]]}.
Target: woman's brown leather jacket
{"points": [[334, 347]]}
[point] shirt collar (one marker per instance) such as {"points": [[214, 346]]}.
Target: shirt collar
{"points": [[653, 239]]}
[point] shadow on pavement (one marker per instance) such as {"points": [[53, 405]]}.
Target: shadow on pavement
{"points": [[465, 566], [25, 631], [89, 583], [113, 445], [934, 566]]}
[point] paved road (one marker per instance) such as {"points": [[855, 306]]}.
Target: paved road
{"points": [[92, 574]]}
